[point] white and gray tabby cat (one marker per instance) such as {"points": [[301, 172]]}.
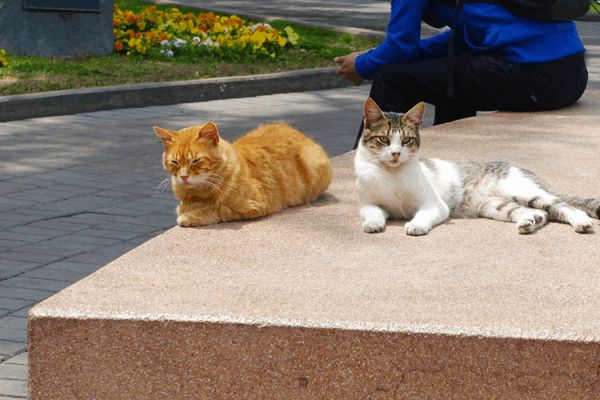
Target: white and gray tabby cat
{"points": [[394, 182]]}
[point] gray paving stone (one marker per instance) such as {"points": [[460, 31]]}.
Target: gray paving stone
{"points": [[27, 196], [10, 204], [12, 187], [74, 266], [62, 224], [80, 204], [22, 312], [13, 371], [20, 359], [120, 195], [104, 218], [109, 234], [32, 257], [141, 239], [9, 272], [13, 335], [12, 243], [68, 246], [123, 211], [37, 231], [154, 208], [25, 294], [90, 259], [6, 224], [41, 248], [8, 349], [53, 278], [14, 304], [159, 220], [7, 207], [21, 237], [87, 240], [14, 388], [32, 181], [74, 189], [26, 216], [14, 323], [51, 192]]}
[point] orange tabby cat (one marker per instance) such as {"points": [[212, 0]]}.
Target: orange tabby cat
{"points": [[262, 172]]}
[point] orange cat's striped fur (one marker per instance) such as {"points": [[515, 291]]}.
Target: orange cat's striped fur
{"points": [[262, 172]]}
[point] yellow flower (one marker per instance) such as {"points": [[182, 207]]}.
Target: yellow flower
{"points": [[141, 25], [131, 43], [3, 52], [258, 37]]}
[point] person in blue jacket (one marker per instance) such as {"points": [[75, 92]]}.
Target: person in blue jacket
{"points": [[502, 62]]}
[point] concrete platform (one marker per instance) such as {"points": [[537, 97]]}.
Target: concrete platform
{"points": [[304, 304]]}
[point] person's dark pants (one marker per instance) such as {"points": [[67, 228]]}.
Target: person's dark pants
{"points": [[481, 83]]}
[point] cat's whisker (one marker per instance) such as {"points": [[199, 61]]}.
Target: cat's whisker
{"points": [[163, 185], [217, 189]]}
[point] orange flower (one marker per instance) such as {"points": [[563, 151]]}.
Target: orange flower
{"points": [[139, 35], [163, 36], [119, 46], [115, 22], [152, 8]]}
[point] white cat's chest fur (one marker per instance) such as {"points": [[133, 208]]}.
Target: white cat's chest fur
{"points": [[402, 191]]}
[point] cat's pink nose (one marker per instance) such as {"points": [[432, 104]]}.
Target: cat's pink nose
{"points": [[184, 177], [396, 155]]}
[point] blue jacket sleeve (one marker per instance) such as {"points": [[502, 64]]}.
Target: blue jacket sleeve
{"points": [[434, 47], [403, 38]]}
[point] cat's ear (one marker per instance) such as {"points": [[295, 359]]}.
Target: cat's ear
{"points": [[209, 131], [165, 135], [372, 113], [415, 115]]}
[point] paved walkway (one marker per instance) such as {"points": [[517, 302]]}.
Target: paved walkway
{"points": [[76, 192]]}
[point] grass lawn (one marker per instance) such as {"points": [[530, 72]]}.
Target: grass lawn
{"points": [[314, 48]]}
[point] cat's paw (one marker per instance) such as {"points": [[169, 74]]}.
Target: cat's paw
{"points": [[186, 221], [531, 222], [373, 226], [415, 229], [583, 224]]}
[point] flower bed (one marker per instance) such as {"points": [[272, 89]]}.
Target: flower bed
{"points": [[170, 34], [3, 61]]}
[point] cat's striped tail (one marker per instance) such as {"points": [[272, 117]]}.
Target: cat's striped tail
{"points": [[590, 206]]}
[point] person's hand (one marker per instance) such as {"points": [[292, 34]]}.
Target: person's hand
{"points": [[347, 68]]}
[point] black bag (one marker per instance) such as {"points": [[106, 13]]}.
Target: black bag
{"points": [[543, 10]]}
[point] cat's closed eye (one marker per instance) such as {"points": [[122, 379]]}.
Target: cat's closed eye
{"points": [[174, 163]]}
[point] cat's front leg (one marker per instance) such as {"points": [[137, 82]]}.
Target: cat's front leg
{"points": [[197, 218], [426, 218], [374, 218]]}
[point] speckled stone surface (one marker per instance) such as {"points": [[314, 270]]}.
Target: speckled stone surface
{"points": [[304, 304]]}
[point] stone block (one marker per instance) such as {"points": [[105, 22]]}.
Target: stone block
{"points": [[56, 32], [304, 304]]}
